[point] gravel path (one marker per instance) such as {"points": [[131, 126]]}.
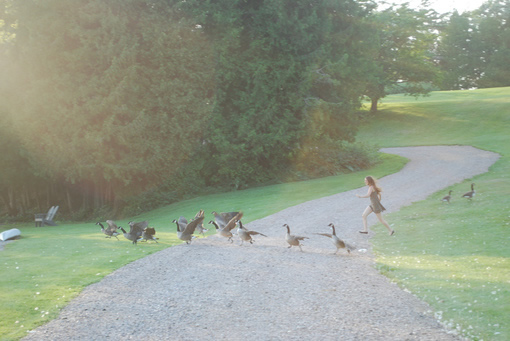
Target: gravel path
{"points": [[213, 290]]}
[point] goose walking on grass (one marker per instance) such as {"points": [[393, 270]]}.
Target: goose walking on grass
{"points": [[149, 234], [111, 230], [469, 195], [339, 243], [293, 240], [226, 231], [185, 233], [246, 234], [135, 230], [448, 197]]}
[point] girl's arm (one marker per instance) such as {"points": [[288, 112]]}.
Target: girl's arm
{"points": [[370, 190]]}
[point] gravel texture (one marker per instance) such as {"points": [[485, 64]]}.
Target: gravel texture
{"points": [[214, 290]]}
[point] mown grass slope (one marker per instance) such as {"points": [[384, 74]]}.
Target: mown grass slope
{"points": [[48, 266], [454, 256], [457, 256]]}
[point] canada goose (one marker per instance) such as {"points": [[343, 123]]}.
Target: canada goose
{"points": [[135, 230], [186, 233], [149, 234], [246, 234], [181, 223], [223, 218], [471, 194], [200, 227], [111, 230], [448, 197], [292, 239], [339, 243], [226, 231]]}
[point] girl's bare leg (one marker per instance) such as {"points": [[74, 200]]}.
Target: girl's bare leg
{"points": [[365, 214], [384, 222]]}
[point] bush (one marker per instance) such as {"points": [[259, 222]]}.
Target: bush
{"points": [[334, 158]]}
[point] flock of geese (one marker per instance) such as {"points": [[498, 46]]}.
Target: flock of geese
{"points": [[137, 231], [224, 224], [468, 195]]}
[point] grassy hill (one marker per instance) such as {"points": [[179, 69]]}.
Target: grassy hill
{"points": [[49, 266], [456, 257]]}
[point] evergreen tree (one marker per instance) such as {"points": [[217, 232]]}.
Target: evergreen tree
{"points": [[113, 95], [274, 78]]}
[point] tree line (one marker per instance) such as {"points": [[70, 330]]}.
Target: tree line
{"points": [[114, 107]]}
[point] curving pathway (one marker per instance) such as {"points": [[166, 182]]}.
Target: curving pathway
{"points": [[213, 290]]}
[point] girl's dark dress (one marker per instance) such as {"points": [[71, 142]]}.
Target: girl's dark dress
{"points": [[376, 205]]}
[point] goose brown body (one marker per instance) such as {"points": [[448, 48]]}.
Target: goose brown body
{"points": [[135, 231], [226, 231], [185, 230], [339, 243], [469, 195], [111, 230], [149, 233], [293, 240], [246, 234], [448, 197]]}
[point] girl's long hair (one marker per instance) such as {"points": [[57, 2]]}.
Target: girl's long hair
{"points": [[373, 182]]}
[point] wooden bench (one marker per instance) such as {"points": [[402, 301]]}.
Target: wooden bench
{"points": [[42, 219]]}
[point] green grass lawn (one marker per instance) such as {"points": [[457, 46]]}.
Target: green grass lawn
{"points": [[456, 257], [47, 267]]}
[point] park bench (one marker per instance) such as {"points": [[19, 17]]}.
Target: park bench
{"points": [[42, 219]]}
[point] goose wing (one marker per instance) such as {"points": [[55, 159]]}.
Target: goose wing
{"points": [[182, 222], [223, 218], [136, 229], [190, 228], [220, 221], [254, 233], [227, 216], [232, 223], [112, 227], [149, 232], [329, 235], [200, 214]]}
